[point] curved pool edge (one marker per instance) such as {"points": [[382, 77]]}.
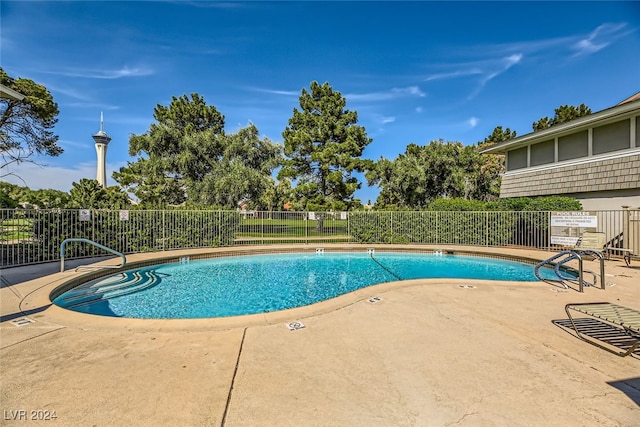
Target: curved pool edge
{"points": [[55, 284]]}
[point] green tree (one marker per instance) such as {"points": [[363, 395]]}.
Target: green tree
{"points": [[541, 203], [278, 197], [15, 193], [456, 205], [240, 174], [116, 198], [424, 173], [25, 125], [383, 174], [488, 177], [44, 199], [88, 193], [149, 185], [323, 145], [175, 150], [50, 199], [7, 202], [563, 114], [498, 135]]}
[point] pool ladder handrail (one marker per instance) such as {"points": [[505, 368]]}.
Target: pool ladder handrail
{"points": [[98, 245], [574, 255], [600, 256]]}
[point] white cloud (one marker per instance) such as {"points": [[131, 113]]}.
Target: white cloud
{"points": [[71, 92], [587, 46], [38, 177], [68, 144], [277, 91], [472, 122], [602, 36], [91, 105], [78, 98], [411, 90], [504, 64], [499, 67], [497, 59], [512, 60], [380, 120], [454, 74], [105, 74], [393, 93], [484, 70], [598, 39]]}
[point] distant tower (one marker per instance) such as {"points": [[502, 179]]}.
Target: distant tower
{"points": [[102, 140]]}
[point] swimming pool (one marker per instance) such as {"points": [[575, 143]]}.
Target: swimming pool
{"points": [[249, 284]]}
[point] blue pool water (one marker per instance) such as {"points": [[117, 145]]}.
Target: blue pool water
{"points": [[231, 286]]}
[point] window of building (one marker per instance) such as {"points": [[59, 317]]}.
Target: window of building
{"points": [[517, 159], [573, 146], [543, 153], [612, 137]]}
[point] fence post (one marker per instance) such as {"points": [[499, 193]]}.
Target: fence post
{"points": [[626, 227], [549, 231], [163, 229], [94, 214], [486, 234]]}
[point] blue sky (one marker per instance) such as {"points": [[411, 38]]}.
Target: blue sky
{"points": [[414, 71]]}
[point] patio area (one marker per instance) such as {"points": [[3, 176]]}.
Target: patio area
{"points": [[424, 353]]}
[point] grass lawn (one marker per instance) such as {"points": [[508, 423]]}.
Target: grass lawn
{"points": [[282, 228], [15, 229]]}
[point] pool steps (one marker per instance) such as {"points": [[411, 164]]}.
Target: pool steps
{"points": [[110, 287]]}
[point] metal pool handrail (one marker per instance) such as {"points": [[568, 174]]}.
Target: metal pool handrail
{"points": [[91, 242], [574, 255], [571, 255]]}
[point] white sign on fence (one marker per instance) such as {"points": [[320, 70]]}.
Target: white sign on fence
{"points": [[564, 240], [573, 219], [124, 215], [85, 215], [567, 227]]}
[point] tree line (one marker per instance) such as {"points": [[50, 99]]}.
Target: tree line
{"points": [[186, 158]]}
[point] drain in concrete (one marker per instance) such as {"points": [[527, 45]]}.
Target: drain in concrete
{"points": [[295, 326], [23, 321]]}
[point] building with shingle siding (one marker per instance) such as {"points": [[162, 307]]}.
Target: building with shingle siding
{"points": [[595, 159]]}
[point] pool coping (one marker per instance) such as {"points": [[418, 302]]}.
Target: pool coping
{"points": [[54, 285]]}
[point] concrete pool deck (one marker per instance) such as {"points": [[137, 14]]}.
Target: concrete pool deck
{"points": [[428, 353]]}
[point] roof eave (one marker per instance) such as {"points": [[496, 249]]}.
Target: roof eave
{"points": [[7, 92], [564, 127]]}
